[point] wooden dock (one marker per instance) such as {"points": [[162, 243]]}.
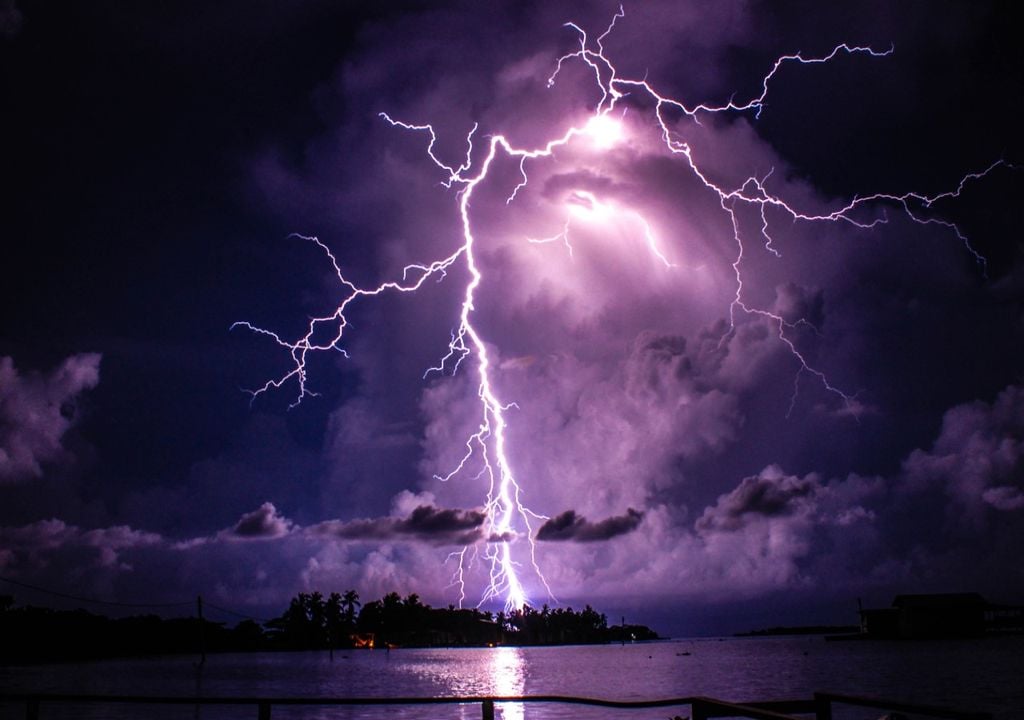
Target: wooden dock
{"points": [[700, 708]]}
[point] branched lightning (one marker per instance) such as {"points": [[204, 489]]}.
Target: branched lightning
{"points": [[486, 450]]}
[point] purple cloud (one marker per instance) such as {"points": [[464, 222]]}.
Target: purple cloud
{"points": [[771, 531], [1004, 497], [263, 523], [36, 411], [569, 526], [10, 19], [977, 461], [54, 544], [426, 523], [770, 494]]}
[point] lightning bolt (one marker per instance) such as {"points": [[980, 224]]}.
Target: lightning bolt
{"points": [[486, 450]]}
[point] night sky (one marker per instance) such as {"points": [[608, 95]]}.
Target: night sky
{"points": [[684, 469]]}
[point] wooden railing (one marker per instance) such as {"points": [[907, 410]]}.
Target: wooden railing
{"points": [[701, 708]]}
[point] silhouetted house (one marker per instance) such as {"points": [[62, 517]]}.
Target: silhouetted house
{"points": [[1004, 618], [880, 622], [934, 616], [948, 615]]}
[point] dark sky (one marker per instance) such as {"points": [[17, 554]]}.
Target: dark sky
{"points": [[680, 464]]}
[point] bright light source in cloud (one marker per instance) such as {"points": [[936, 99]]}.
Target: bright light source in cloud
{"points": [[585, 206], [604, 131]]}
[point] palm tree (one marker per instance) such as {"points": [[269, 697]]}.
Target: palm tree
{"points": [[349, 603], [317, 618], [335, 621], [296, 623]]}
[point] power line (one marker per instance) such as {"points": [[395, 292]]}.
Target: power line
{"points": [[95, 601], [236, 614], [111, 603]]}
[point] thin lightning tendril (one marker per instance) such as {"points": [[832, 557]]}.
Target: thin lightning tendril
{"points": [[487, 446]]}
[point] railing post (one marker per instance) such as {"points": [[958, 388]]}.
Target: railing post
{"points": [[32, 708], [488, 709], [699, 710], [822, 707], [264, 710]]}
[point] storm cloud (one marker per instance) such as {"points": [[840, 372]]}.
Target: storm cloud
{"points": [[977, 461], [571, 527], [787, 407], [767, 495], [426, 523], [10, 19], [263, 523], [55, 545], [36, 411]]}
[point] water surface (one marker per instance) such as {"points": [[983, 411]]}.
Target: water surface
{"points": [[975, 675]]}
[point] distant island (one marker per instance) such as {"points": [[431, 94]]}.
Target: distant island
{"points": [[801, 630], [927, 616], [312, 621]]}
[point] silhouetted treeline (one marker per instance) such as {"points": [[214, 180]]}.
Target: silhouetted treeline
{"points": [[33, 634], [801, 630], [311, 622]]}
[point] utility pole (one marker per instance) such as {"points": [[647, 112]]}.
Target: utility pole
{"points": [[202, 630]]}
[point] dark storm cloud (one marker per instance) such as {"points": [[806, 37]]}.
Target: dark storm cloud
{"points": [[572, 527], [439, 526], [36, 411], [262, 523], [57, 548], [770, 494], [976, 463], [952, 516], [1004, 497], [10, 19], [773, 531]]}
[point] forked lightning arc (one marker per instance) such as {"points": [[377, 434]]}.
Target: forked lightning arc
{"points": [[509, 520]]}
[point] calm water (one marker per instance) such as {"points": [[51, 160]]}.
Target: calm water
{"points": [[978, 675]]}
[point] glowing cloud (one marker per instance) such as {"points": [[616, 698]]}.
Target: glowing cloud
{"points": [[605, 131], [487, 455]]}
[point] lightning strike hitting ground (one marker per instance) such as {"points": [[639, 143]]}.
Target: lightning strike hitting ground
{"points": [[509, 520]]}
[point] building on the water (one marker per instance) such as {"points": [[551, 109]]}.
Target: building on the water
{"points": [[942, 615]]}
